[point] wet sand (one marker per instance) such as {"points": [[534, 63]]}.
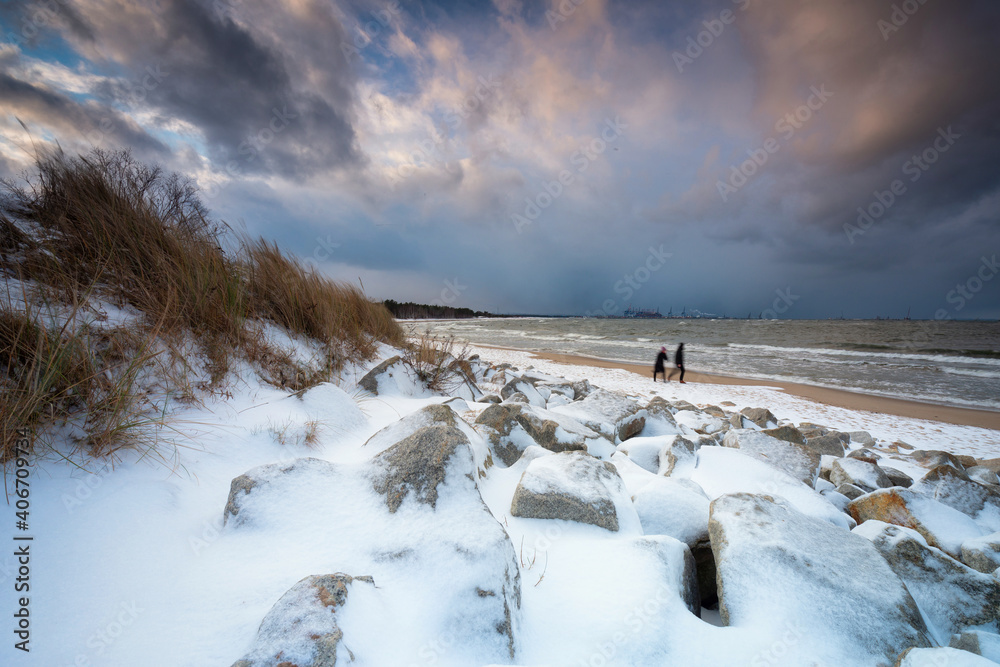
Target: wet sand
{"points": [[835, 397]]}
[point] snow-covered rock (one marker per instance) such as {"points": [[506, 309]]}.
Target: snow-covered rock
{"points": [[413, 517], [941, 657], [574, 487], [827, 445], [301, 628], [521, 386], [762, 417], [700, 422], [429, 415], [864, 475], [932, 458], [511, 428], [797, 460], [393, 377], [614, 416], [951, 596], [679, 457], [982, 553], [897, 477], [953, 487], [778, 568], [722, 471], [983, 475], [645, 451], [329, 403], [940, 525], [674, 507], [986, 644], [863, 438], [788, 433]]}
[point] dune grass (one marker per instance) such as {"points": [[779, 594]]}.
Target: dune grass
{"points": [[107, 228]]}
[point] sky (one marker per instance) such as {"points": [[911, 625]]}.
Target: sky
{"points": [[796, 158]]}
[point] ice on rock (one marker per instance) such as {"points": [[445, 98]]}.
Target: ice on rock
{"points": [[778, 569]]}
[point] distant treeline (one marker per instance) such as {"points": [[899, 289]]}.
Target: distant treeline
{"points": [[423, 311]]}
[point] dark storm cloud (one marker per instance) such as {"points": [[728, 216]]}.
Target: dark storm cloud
{"points": [[41, 108], [271, 92]]}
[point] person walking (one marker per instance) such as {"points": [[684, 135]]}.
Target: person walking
{"points": [[678, 362], [658, 367]]}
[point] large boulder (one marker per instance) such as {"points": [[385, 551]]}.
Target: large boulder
{"points": [[571, 486], [412, 518], [301, 628], [950, 595], [788, 433], [762, 417], [779, 568], [942, 526], [864, 475], [393, 376], [430, 415], [983, 475], [511, 428], [982, 553], [417, 465], [794, 459], [614, 416], [827, 445], [953, 487]]}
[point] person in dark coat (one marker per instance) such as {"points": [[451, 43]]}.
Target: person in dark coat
{"points": [[661, 359], [678, 362]]}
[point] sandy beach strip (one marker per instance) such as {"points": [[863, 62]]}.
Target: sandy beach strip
{"points": [[836, 397]]}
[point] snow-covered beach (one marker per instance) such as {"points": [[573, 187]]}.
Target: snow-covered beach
{"points": [[154, 564]]}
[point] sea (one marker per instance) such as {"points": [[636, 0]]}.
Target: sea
{"points": [[944, 362]]}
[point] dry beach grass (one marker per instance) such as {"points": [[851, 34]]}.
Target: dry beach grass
{"points": [[107, 229]]}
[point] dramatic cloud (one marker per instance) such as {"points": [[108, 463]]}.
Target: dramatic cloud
{"points": [[533, 157]]}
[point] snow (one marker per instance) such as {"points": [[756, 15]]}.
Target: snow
{"points": [[674, 507], [944, 656], [722, 471], [131, 565]]}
